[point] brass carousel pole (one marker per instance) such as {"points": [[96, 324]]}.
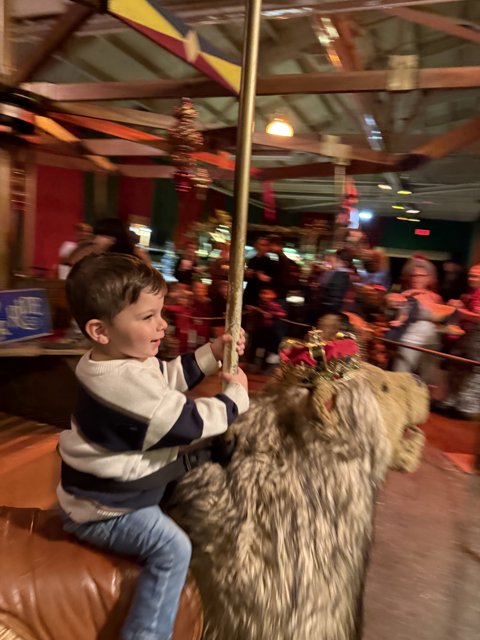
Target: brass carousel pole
{"points": [[242, 178]]}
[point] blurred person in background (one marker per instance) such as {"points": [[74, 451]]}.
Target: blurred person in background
{"points": [[286, 270], [453, 280], [331, 286], [109, 235], [266, 332], [187, 264], [417, 314], [260, 271], [83, 234], [465, 392]]}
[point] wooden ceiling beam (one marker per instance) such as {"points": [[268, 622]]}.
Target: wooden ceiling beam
{"points": [[59, 132], [321, 169], [310, 83], [122, 147], [63, 161], [135, 117], [96, 146], [119, 147], [442, 145], [310, 145], [111, 128], [352, 6], [437, 22], [67, 23]]}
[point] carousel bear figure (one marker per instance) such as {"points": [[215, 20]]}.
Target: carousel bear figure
{"points": [[281, 534]]}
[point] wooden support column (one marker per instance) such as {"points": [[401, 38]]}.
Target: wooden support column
{"points": [[5, 218], [5, 159], [29, 220]]}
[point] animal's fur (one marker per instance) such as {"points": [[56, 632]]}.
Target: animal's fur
{"points": [[281, 536]]}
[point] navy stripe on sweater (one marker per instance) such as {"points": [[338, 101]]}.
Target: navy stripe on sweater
{"points": [[188, 427], [192, 372], [107, 426], [232, 409], [130, 500]]}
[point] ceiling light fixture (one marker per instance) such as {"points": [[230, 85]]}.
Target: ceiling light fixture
{"points": [[405, 188], [400, 207], [365, 214], [279, 127], [385, 187], [408, 219], [412, 210]]}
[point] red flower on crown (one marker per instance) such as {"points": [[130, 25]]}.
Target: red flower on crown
{"points": [[297, 355], [340, 349]]}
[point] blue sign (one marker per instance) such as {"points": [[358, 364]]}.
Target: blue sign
{"points": [[24, 314]]}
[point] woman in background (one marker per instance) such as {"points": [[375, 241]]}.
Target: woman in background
{"points": [[418, 315]]}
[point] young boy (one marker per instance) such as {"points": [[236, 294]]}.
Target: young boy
{"points": [[131, 416]]}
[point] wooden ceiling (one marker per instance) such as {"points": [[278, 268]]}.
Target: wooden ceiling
{"points": [[326, 66]]}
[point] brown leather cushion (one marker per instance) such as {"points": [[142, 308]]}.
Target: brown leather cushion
{"points": [[54, 588]]}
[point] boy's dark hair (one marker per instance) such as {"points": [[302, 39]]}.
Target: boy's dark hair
{"points": [[102, 285]]}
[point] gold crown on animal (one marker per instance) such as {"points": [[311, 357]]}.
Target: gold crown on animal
{"points": [[313, 358]]}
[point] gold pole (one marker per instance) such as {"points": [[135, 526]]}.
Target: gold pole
{"points": [[242, 178]]}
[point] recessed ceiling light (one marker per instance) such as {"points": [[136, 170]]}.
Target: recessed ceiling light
{"points": [[400, 207], [413, 210], [384, 186], [365, 214], [404, 192]]}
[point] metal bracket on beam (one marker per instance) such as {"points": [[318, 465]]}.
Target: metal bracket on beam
{"points": [[403, 73], [331, 147]]}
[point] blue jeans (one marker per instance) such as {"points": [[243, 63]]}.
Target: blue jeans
{"points": [[164, 550]]}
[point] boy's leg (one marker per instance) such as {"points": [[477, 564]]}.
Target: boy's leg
{"points": [[163, 549]]}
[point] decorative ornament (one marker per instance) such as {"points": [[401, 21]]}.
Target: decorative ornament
{"points": [[202, 181], [307, 360], [185, 140]]}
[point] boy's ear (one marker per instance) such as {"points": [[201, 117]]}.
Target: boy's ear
{"points": [[97, 331]]}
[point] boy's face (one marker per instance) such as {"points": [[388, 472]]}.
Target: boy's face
{"points": [[136, 332]]}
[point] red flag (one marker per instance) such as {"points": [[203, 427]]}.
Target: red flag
{"points": [[269, 212]]}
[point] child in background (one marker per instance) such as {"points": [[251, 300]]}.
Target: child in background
{"points": [[201, 312], [219, 308], [267, 331], [130, 419], [180, 315]]}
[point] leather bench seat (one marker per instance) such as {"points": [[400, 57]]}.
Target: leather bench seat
{"points": [[29, 463], [53, 588]]}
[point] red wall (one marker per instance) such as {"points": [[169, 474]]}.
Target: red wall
{"points": [[60, 204], [135, 197]]}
